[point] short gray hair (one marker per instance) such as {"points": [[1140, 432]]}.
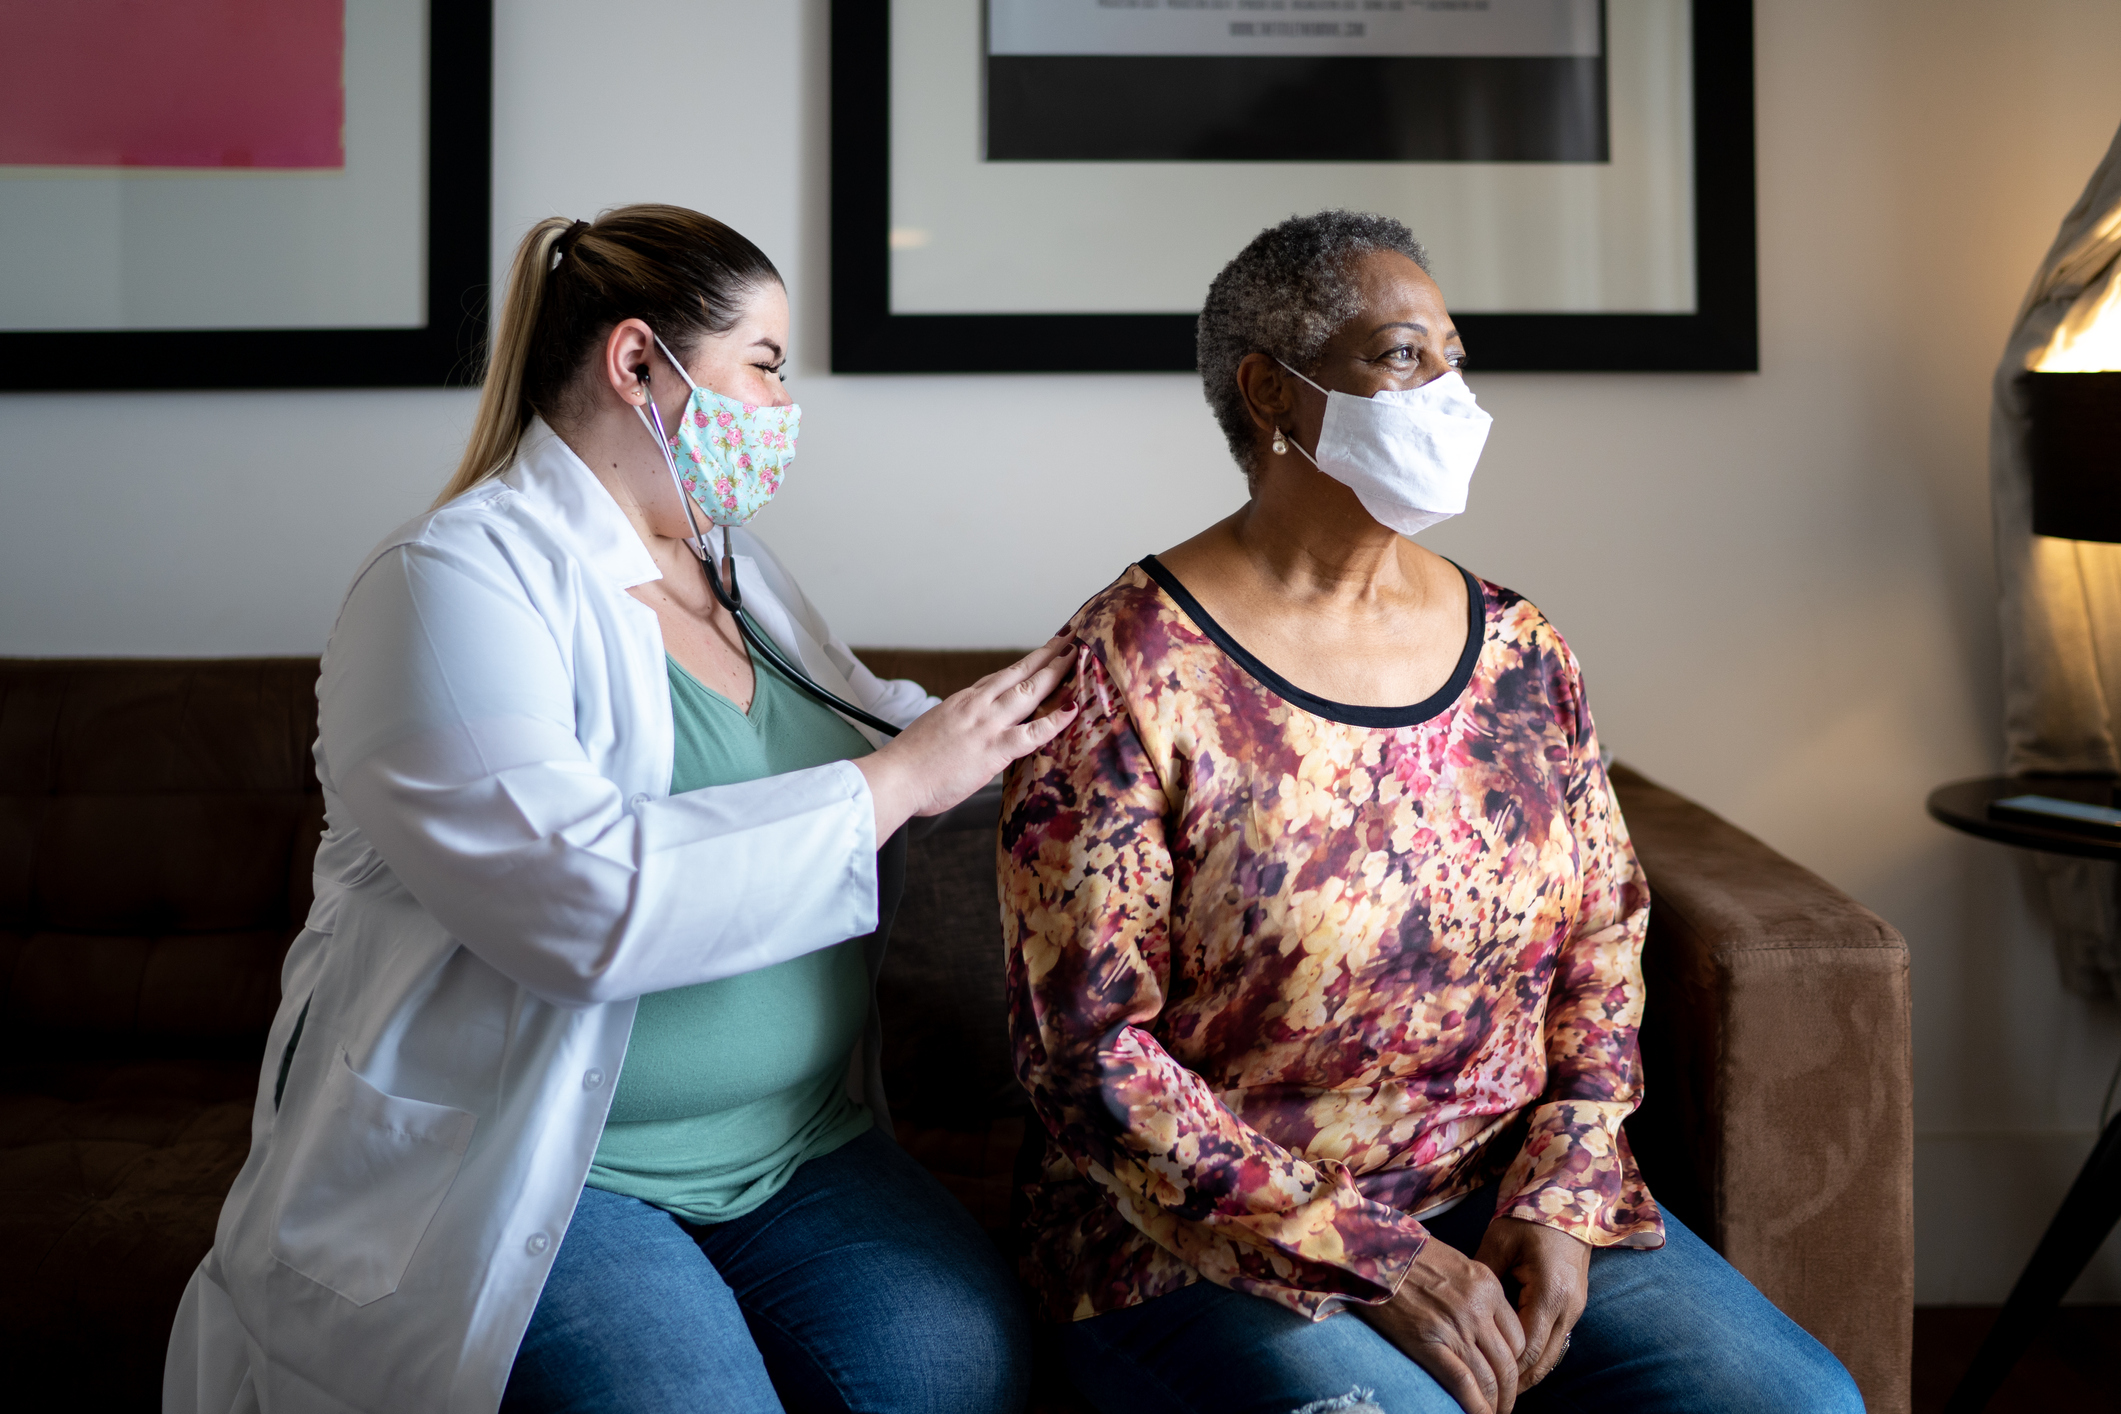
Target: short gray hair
{"points": [[1284, 295]]}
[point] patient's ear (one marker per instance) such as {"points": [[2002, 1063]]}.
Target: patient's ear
{"points": [[1266, 391]]}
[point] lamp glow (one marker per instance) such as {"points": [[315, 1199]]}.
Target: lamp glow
{"points": [[2089, 339]]}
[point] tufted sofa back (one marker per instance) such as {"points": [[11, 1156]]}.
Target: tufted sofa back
{"points": [[158, 821]]}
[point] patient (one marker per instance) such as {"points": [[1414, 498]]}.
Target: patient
{"points": [[1325, 935]]}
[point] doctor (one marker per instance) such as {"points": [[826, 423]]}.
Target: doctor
{"points": [[571, 1101]]}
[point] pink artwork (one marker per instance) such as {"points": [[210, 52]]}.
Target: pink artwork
{"points": [[173, 83]]}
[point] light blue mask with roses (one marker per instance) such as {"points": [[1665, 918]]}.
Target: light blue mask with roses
{"points": [[727, 456]]}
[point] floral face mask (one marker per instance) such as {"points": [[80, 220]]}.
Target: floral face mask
{"points": [[727, 456]]}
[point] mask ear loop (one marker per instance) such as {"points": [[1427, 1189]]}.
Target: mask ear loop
{"points": [[1326, 391], [1278, 436], [1300, 447], [674, 360]]}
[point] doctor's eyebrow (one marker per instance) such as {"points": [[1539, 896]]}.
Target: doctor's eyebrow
{"points": [[769, 344]]}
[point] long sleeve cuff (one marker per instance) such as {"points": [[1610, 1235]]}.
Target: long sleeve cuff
{"points": [[1575, 1173]]}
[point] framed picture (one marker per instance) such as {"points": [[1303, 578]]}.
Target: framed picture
{"points": [[1049, 185], [243, 193]]}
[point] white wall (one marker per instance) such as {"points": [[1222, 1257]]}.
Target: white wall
{"points": [[1781, 583]]}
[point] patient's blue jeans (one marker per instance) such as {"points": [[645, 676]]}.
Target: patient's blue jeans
{"points": [[1670, 1331], [861, 1285]]}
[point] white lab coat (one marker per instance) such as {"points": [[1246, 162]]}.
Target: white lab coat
{"points": [[503, 872]]}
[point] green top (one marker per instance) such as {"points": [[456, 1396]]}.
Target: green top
{"points": [[730, 1086]]}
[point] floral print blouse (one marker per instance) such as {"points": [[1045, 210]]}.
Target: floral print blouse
{"points": [[1284, 973]]}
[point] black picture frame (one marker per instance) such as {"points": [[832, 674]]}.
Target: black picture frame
{"points": [[441, 352], [1721, 336]]}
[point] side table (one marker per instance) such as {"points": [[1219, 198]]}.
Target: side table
{"points": [[2093, 1205]]}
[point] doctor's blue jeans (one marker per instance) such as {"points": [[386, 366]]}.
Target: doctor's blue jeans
{"points": [[861, 1285], [1671, 1331]]}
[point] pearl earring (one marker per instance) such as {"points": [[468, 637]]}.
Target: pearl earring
{"points": [[1281, 448]]}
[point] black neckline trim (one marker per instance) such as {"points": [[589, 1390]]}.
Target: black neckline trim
{"points": [[1348, 713]]}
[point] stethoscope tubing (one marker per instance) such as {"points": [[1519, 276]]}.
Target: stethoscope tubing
{"points": [[732, 599]]}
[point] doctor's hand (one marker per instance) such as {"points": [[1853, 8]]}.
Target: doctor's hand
{"points": [[954, 748], [1450, 1317], [1553, 1274]]}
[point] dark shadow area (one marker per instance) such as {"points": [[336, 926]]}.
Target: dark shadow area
{"points": [[2074, 1363]]}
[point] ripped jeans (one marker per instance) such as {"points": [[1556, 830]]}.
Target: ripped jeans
{"points": [[1670, 1331]]}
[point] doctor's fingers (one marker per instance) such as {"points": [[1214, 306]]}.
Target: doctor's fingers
{"points": [[1017, 679], [1043, 728], [1015, 693], [1039, 694]]}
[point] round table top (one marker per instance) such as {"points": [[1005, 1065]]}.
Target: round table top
{"points": [[1964, 806]]}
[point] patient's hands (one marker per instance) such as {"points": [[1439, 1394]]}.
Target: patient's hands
{"points": [[1553, 1271], [956, 747], [1451, 1318]]}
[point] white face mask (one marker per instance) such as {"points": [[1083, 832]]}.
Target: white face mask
{"points": [[1408, 456]]}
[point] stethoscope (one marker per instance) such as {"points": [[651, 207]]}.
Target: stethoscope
{"points": [[731, 597]]}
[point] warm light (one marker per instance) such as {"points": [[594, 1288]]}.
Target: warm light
{"points": [[2089, 339]]}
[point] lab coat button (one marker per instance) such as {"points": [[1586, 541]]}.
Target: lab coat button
{"points": [[537, 1244], [592, 1078], [637, 802]]}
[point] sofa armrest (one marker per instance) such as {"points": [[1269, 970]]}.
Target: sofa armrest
{"points": [[1777, 1120]]}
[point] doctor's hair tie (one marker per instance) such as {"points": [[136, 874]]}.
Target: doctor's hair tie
{"points": [[567, 239]]}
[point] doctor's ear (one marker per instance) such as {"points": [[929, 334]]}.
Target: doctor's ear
{"points": [[628, 355]]}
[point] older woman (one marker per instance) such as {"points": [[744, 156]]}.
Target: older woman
{"points": [[1325, 935]]}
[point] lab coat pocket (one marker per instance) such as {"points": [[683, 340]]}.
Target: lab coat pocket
{"points": [[365, 1179]]}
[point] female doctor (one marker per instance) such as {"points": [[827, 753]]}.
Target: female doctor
{"points": [[571, 1100]]}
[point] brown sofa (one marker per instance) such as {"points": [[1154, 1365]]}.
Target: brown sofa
{"points": [[156, 824]]}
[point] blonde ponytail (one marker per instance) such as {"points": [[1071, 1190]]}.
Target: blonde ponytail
{"points": [[503, 410], [684, 273]]}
